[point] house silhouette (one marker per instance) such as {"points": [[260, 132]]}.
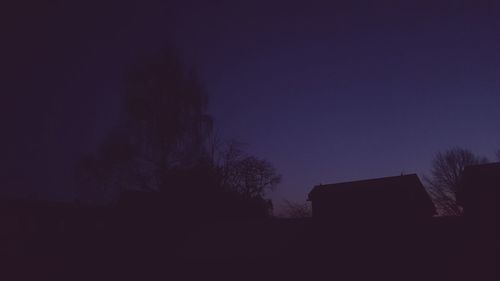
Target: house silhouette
{"points": [[399, 197]]}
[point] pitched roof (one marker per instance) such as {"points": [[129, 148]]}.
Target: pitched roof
{"points": [[385, 183], [401, 189]]}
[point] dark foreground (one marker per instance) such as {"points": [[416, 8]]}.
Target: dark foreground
{"points": [[276, 249]]}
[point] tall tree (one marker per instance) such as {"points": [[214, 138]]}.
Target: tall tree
{"points": [[166, 143], [167, 117], [446, 173], [165, 128]]}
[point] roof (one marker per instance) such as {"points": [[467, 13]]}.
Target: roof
{"points": [[396, 182], [397, 189]]}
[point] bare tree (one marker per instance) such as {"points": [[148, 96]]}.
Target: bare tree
{"points": [[257, 177], [166, 143], [245, 174], [446, 172], [243, 177], [296, 210]]}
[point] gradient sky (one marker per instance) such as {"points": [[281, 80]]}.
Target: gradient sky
{"points": [[326, 90]]}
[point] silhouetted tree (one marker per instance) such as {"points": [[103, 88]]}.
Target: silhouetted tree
{"points": [[165, 129], [246, 175], [167, 118], [252, 177], [166, 143], [446, 172], [498, 155], [296, 210]]}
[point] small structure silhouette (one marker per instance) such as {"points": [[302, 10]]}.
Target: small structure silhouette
{"points": [[381, 198], [479, 195]]}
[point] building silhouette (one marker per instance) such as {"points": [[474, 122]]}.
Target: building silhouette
{"points": [[399, 197], [479, 194]]}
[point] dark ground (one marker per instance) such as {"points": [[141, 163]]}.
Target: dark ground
{"points": [[275, 249]]}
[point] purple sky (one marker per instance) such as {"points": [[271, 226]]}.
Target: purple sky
{"points": [[327, 91]]}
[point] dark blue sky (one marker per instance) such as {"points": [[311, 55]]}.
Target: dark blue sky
{"points": [[327, 91]]}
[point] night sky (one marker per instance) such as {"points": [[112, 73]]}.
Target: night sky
{"points": [[327, 91]]}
